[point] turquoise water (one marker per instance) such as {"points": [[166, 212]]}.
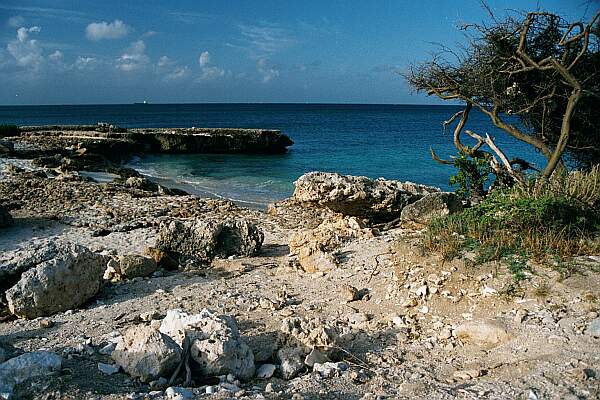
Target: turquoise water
{"points": [[390, 141]]}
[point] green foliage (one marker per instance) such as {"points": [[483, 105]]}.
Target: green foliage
{"points": [[515, 225], [8, 130], [471, 174]]}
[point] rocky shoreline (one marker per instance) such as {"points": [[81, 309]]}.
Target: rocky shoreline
{"points": [[130, 290]]}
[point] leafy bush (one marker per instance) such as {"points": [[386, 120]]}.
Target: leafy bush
{"points": [[8, 130], [472, 172], [535, 220]]}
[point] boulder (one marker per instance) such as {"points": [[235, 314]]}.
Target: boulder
{"points": [[485, 332], [377, 199], [6, 147], [215, 342], [205, 239], [140, 183], [133, 266], [5, 218], [147, 353], [27, 366], [61, 276], [431, 206]]}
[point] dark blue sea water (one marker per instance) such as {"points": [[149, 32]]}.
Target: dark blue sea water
{"points": [[390, 141]]}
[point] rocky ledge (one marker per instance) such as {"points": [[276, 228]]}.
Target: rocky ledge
{"points": [[114, 142]]}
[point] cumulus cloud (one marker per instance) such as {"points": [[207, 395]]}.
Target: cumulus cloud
{"points": [[134, 58], [26, 52], [267, 71], [15, 21], [170, 70], [56, 56], [209, 72], [104, 30], [204, 59]]}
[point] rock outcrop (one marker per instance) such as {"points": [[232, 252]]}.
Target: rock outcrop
{"points": [[359, 196], [206, 239], [214, 340], [431, 206], [55, 277], [147, 353]]}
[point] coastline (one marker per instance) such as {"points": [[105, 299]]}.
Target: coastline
{"points": [[335, 269]]}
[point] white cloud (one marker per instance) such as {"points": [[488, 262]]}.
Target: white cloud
{"points": [[26, 52], [15, 21], [104, 30], [210, 73], [134, 58], [170, 70], [56, 56], [204, 59], [264, 39], [267, 71], [85, 63]]}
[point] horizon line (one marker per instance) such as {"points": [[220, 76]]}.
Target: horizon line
{"points": [[224, 103]]}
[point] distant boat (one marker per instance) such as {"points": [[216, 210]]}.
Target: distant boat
{"points": [[144, 102]]}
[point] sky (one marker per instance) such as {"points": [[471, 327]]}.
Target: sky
{"points": [[192, 51]]}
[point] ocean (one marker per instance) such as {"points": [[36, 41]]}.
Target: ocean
{"points": [[389, 141]]}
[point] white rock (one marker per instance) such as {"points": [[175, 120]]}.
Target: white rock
{"points": [[330, 369], [179, 393], [483, 332], [216, 344], [147, 353], [265, 371]]}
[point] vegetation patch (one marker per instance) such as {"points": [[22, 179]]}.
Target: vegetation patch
{"points": [[541, 219]]}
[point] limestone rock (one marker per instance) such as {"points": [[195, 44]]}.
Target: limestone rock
{"points": [[360, 196], [431, 206], [330, 369], [64, 277], [215, 342], [313, 246], [311, 333], [5, 218], [205, 239], [137, 182], [483, 332], [291, 361], [161, 258], [147, 353], [27, 366], [132, 266], [265, 371]]}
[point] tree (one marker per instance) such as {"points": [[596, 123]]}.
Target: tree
{"points": [[537, 67]]}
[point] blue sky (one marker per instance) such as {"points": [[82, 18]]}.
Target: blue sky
{"points": [[116, 51]]}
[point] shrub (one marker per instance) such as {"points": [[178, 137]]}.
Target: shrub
{"points": [[536, 220]]}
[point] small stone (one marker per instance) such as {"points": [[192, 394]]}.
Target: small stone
{"points": [[358, 318], [330, 369], [445, 334], [315, 356], [482, 332], [292, 362], [265, 371], [209, 390], [179, 393], [520, 315], [108, 369], [349, 293], [269, 388]]}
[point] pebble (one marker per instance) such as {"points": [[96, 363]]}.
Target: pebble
{"points": [[209, 390], [108, 349], [269, 388], [330, 369], [593, 328], [46, 323]]}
